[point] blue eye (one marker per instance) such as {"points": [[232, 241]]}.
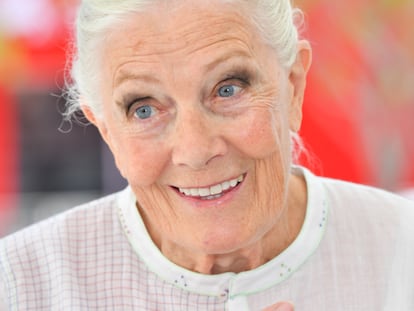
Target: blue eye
{"points": [[144, 112], [228, 90]]}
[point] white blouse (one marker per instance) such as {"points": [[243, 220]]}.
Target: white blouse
{"points": [[355, 251]]}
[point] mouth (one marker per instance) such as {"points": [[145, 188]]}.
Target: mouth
{"points": [[212, 192]]}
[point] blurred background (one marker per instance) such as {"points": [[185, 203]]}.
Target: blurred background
{"points": [[358, 112]]}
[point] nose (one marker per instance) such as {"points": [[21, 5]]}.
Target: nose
{"points": [[197, 140]]}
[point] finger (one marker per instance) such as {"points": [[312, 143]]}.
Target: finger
{"points": [[280, 306]]}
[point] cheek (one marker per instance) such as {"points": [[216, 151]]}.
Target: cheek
{"points": [[140, 162], [258, 134]]}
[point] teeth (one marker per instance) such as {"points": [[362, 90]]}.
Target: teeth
{"points": [[186, 191], [225, 185], [203, 192], [214, 191]]}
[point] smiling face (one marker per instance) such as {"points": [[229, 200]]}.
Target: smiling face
{"points": [[197, 112]]}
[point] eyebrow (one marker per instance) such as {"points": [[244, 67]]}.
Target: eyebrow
{"points": [[126, 75], [225, 57]]}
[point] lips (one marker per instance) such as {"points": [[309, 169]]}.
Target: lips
{"points": [[212, 192]]}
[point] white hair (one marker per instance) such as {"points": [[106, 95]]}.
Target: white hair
{"points": [[276, 20]]}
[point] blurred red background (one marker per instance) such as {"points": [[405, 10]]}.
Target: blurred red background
{"points": [[359, 106]]}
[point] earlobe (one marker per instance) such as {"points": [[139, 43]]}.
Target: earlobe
{"points": [[88, 114], [100, 125], [297, 79], [103, 130]]}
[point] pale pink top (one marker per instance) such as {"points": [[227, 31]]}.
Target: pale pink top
{"points": [[355, 252]]}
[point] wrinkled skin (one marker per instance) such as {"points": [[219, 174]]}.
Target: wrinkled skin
{"points": [[193, 97]]}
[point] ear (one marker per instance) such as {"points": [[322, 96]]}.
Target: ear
{"points": [[297, 80], [103, 130], [98, 122]]}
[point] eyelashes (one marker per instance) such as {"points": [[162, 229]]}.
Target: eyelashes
{"points": [[129, 100], [145, 105], [231, 88]]}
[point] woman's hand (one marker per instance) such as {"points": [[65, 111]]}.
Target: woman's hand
{"points": [[280, 306]]}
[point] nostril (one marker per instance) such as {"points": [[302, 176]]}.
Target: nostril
{"points": [[197, 156]]}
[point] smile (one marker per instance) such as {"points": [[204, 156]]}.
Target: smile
{"points": [[212, 192]]}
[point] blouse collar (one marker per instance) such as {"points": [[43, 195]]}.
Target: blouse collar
{"points": [[232, 284]]}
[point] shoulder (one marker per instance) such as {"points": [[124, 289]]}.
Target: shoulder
{"points": [[63, 234], [62, 251], [364, 196], [360, 208], [355, 197], [370, 215], [67, 222], [68, 259]]}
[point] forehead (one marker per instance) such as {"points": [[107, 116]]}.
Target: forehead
{"points": [[182, 29]]}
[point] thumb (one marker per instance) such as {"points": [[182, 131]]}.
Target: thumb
{"points": [[280, 306]]}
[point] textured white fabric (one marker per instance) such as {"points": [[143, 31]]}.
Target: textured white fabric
{"points": [[354, 252]]}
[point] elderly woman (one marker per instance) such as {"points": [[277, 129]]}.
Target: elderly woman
{"points": [[200, 102]]}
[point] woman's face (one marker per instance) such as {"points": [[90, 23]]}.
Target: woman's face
{"points": [[197, 112]]}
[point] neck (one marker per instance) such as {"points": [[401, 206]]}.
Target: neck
{"points": [[233, 262], [243, 259]]}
